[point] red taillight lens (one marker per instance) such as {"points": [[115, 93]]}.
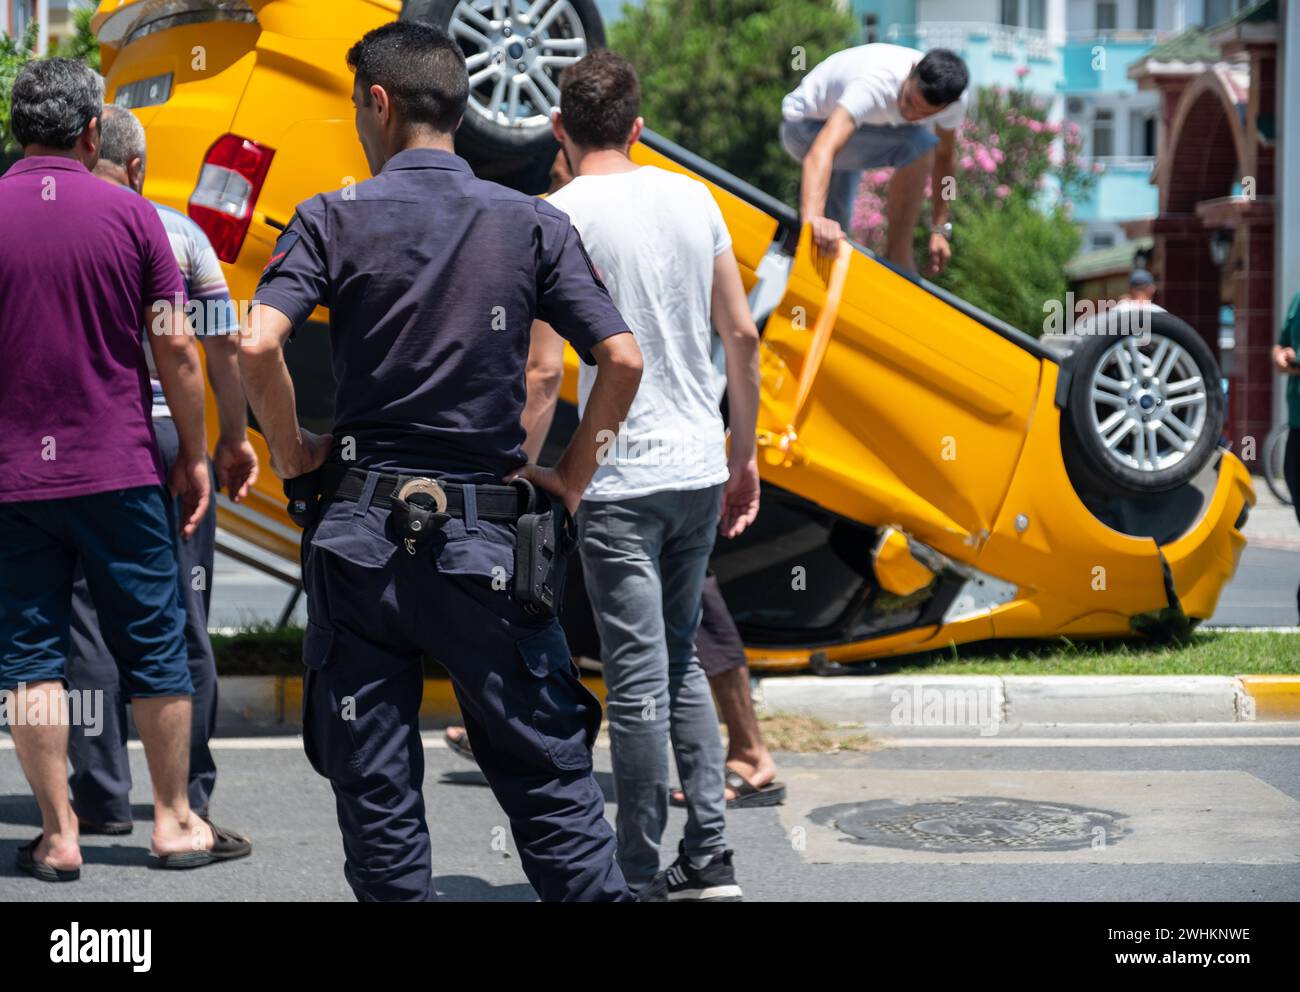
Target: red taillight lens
{"points": [[231, 181]]}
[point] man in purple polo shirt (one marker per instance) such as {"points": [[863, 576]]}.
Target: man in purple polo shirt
{"points": [[81, 265]]}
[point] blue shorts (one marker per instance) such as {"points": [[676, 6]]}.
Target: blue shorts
{"points": [[870, 146], [125, 541]]}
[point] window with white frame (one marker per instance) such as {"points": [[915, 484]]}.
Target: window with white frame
{"points": [[1103, 132], [23, 15], [1146, 15], [1024, 13], [1142, 133], [1221, 10]]}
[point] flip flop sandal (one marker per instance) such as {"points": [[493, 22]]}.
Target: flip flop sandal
{"points": [[747, 796], [227, 846], [40, 870], [460, 745]]}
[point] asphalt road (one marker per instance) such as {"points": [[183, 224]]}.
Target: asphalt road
{"points": [[1263, 592], [1171, 814]]}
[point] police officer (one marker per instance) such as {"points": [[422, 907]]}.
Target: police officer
{"points": [[433, 279]]}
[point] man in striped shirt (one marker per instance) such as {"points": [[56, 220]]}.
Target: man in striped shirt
{"points": [[101, 774]]}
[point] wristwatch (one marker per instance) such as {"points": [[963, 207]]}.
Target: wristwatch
{"points": [[945, 229]]}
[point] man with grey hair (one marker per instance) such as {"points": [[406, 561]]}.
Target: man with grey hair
{"points": [[101, 772], [81, 479]]}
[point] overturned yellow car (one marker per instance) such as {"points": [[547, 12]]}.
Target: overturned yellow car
{"points": [[931, 475]]}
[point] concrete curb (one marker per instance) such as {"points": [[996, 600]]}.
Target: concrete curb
{"points": [[988, 701], [984, 702]]}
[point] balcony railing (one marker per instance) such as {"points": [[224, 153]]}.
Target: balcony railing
{"points": [[1003, 39], [1117, 36], [1126, 162]]}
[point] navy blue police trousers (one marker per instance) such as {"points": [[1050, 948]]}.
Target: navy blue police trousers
{"points": [[374, 610]]}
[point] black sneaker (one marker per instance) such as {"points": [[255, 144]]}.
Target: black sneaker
{"points": [[679, 882]]}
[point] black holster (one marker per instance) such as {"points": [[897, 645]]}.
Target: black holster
{"points": [[545, 535], [303, 493]]}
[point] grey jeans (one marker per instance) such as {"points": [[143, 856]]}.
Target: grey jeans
{"points": [[644, 562], [870, 146]]}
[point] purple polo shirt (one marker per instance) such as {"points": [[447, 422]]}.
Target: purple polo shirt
{"points": [[81, 261]]}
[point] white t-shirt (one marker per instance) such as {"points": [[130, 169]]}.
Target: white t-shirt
{"points": [[653, 236], [864, 81]]}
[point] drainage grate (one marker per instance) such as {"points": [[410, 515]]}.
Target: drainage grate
{"points": [[972, 823]]}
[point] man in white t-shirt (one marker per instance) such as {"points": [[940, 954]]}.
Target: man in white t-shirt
{"points": [[667, 482], [876, 106]]}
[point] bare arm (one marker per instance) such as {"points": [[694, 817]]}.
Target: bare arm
{"points": [[181, 375], [945, 165], [740, 343], [235, 459], [817, 165], [294, 451], [618, 373], [545, 375]]}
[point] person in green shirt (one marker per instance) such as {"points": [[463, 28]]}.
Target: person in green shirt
{"points": [[1286, 362]]}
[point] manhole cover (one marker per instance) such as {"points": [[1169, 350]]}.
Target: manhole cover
{"points": [[972, 823]]}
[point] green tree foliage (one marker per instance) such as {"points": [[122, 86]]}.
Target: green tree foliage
{"points": [[1009, 258], [15, 52], [1017, 174], [82, 44], [713, 73]]}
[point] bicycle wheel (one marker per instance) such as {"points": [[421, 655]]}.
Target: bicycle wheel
{"points": [[1273, 455]]}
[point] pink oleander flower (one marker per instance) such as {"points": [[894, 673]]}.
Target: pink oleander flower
{"points": [[966, 162], [985, 161], [880, 177], [1036, 126], [1003, 191], [998, 155], [1022, 71]]}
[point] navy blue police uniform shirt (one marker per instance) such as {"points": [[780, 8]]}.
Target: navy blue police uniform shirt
{"points": [[432, 278]]}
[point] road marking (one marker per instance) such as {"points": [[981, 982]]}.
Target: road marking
{"points": [[436, 743], [900, 742], [1237, 629]]}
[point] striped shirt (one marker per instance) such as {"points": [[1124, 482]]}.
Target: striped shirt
{"points": [[211, 309]]}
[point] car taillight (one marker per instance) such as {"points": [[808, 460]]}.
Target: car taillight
{"points": [[231, 181]]}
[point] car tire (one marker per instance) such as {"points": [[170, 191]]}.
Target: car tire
{"points": [[495, 131], [1141, 418]]}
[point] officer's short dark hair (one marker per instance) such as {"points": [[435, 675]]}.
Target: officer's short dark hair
{"points": [[53, 101], [421, 69], [942, 77], [600, 98]]}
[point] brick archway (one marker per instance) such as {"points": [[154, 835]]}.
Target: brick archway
{"points": [[1211, 148]]}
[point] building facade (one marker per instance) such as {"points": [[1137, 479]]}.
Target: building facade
{"points": [[1075, 55], [1222, 251], [16, 15]]}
